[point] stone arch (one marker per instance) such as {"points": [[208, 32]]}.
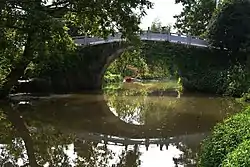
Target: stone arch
{"points": [[112, 58], [97, 59]]}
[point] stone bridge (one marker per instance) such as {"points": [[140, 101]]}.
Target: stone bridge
{"points": [[145, 36], [99, 53]]}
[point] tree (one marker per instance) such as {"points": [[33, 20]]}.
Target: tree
{"points": [[230, 26], [157, 26], [31, 29], [195, 16]]}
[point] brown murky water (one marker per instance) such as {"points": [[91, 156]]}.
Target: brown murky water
{"points": [[119, 129]]}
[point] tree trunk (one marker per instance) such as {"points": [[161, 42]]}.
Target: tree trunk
{"points": [[18, 69]]}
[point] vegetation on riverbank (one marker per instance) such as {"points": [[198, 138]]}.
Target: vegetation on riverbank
{"points": [[198, 69], [160, 88], [228, 29], [228, 139]]}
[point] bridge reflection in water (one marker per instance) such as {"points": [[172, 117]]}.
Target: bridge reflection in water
{"points": [[99, 137]]}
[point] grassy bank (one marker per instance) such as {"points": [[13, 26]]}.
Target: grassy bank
{"points": [[229, 143]]}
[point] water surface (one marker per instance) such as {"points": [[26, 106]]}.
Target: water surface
{"points": [[127, 128]]}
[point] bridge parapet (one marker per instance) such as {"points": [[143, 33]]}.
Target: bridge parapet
{"points": [[145, 36]]}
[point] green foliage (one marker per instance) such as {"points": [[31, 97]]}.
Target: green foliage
{"points": [[93, 17], [145, 62], [226, 27], [112, 78], [32, 30], [236, 80], [157, 26], [200, 69], [197, 67], [9, 52], [225, 138], [240, 157], [160, 58], [230, 26], [231, 80], [195, 17], [130, 63], [135, 63]]}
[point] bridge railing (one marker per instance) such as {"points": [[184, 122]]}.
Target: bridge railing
{"points": [[148, 36]]}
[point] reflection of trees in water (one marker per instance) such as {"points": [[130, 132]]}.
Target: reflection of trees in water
{"points": [[13, 141], [189, 156], [128, 109], [198, 111], [90, 154], [27, 145], [134, 106], [45, 145], [50, 145], [129, 158], [12, 151], [13, 148], [158, 109]]}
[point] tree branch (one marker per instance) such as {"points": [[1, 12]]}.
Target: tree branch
{"points": [[58, 4], [57, 11]]}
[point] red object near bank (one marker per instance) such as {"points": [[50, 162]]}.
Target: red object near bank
{"points": [[128, 79]]}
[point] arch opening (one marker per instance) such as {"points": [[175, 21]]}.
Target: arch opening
{"points": [[132, 63]]}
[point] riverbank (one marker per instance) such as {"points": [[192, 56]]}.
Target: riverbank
{"points": [[151, 88]]}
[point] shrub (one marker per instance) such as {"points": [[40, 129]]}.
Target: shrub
{"points": [[240, 157], [112, 78], [224, 139], [236, 80]]}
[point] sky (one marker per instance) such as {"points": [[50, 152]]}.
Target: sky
{"points": [[164, 10]]}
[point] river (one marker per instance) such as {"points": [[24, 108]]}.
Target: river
{"points": [[126, 128]]}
